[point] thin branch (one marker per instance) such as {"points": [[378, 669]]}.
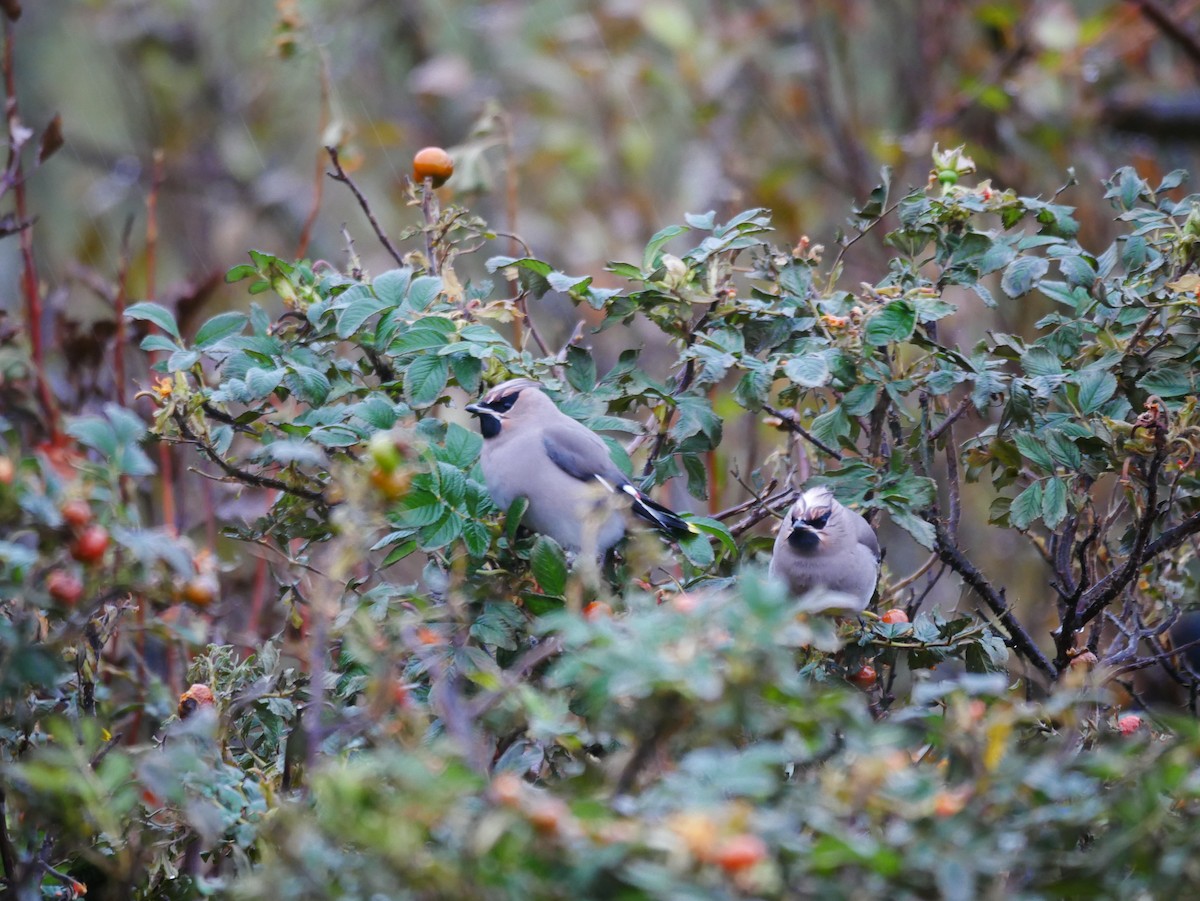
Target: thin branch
{"points": [[1162, 18], [8, 854], [248, 478], [792, 423], [29, 274], [1019, 640], [339, 174], [958, 411], [1103, 592]]}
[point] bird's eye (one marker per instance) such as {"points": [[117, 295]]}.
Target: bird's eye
{"points": [[503, 403], [818, 522]]}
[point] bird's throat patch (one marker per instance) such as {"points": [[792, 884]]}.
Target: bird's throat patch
{"points": [[803, 540]]}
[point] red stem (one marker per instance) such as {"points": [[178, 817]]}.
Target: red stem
{"points": [[29, 276]]}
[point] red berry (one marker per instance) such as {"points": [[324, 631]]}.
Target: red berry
{"points": [[77, 513], [1129, 724], [197, 696], [741, 852], [597, 610], [64, 587], [89, 546], [864, 677], [895, 615]]}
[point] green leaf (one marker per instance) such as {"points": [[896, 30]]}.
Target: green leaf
{"points": [[1168, 381], [220, 326], [650, 256], [1054, 502], [895, 322], [922, 532], [308, 384], [424, 380], [152, 312], [1026, 506], [698, 550], [423, 290], [1022, 274], [808, 370], [391, 286], [512, 518], [353, 315], [1096, 386], [549, 566]]}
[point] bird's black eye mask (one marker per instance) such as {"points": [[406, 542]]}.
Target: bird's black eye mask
{"points": [[490, 411], [818, 521]]}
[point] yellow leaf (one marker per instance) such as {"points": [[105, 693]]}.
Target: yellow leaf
{"points": [[1185, 284]]}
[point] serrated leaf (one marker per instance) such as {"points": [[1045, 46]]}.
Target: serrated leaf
{"points": [[353, 315], [895, 322], [220, 326], [391, 286], [548, 564], [922, 532], [1026, 506], [152, 312], [1167, 382], [1054, 502], [423, 290], [808, 370], [307, 383], [1096, 386], [424, 380], [1022, 274]]}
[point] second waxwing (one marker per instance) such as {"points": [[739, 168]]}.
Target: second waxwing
{"points": [[533, 450], [823, 544]]}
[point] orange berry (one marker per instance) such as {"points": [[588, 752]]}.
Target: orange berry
{"points": [[684, 602], [741, 852], [426, 635], [392, 484], [1129, 724], [895, 615], [547, 814], [948, 803], [506, 789], [864, 677], [433, 163], [201, 590], [597, 610], [150, 799], [197, 696], [7, 471]]}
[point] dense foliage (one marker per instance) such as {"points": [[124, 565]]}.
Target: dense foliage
{"points": [[452, 707]]}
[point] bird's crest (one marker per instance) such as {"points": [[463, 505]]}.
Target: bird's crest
{"points": [[814, 506], [508, 389]]}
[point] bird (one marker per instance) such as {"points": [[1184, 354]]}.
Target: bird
{"points": [[531, 449], [823, 544]]}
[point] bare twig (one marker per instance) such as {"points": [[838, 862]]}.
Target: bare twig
{"points": [[1162, 18], [1019, 640], [791, 421], [29, 274], [339, 174], [248, 478]]}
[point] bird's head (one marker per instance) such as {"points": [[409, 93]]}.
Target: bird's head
{"points": [[508, 402], [809, 519]]}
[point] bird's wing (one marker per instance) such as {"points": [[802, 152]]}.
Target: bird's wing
{"points": [[581, 454], [866, 536]]}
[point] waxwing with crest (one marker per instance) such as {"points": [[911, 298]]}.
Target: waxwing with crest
{"points": [[823, 544], [563, 469]]}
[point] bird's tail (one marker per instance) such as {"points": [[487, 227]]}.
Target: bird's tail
{"points": [[658, 515]]}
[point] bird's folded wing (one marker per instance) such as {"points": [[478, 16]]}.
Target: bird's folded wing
{"points": [[867, 538], [581, 454]]}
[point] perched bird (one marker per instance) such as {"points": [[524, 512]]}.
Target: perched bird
{"points": [[823, 544], [563, 469]]}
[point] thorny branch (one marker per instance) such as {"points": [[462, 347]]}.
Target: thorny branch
{"points": [[339, 174], [248, 478], [791, 422]]}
